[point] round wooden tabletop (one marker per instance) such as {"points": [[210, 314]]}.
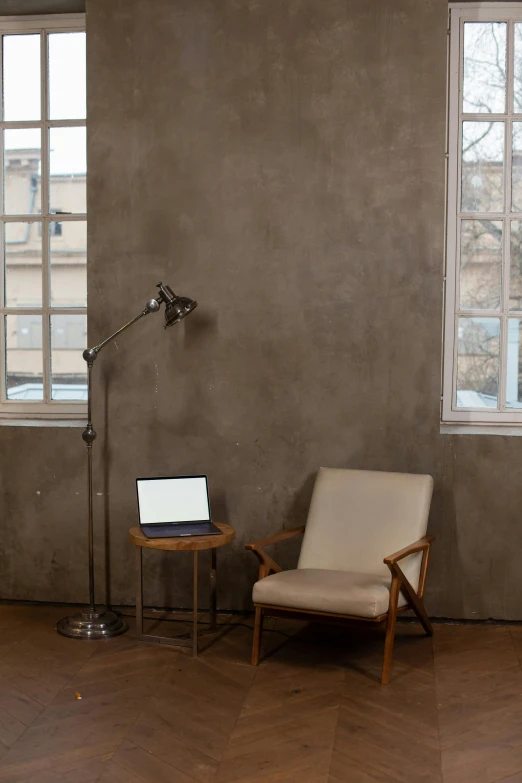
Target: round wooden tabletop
{"points": [[184, 543]]}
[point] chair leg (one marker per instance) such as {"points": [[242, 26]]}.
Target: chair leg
{"points": [[420, 611], [417, 604], [258, 630], [390, 631]]}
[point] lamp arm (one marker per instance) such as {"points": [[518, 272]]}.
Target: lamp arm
{"points": [[98, 348], [90, 354]]}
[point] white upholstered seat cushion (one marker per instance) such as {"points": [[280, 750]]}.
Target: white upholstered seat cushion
{"points": [[325, 590]]}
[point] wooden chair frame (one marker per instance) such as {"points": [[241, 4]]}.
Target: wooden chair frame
{"points": [[399, 583]]}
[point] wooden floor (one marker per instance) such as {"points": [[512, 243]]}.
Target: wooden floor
{"points": [[312, 712]]}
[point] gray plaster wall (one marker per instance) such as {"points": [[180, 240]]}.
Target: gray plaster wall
{"points": [[282, 162]]}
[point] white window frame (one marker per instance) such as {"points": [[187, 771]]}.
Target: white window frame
{"points": [[459, 14], [47, 409]]}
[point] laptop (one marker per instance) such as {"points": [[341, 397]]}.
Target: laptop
{"points": [[173, 507]]}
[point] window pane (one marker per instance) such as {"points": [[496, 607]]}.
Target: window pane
{"points": [[480, 264], [515, 266], [514, 365], [518, 69], [68, 368], [516, 187], [23, 264], [478, 362], [67, 80], [22, 192], [24, 360], [68, 167], [21, 77], [68, 255], [484, 67], [483, 166]]}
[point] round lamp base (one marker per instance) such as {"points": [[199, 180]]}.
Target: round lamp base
{"points": [[92, 625]]}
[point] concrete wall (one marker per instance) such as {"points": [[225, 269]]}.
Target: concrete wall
{"points": [[283, 164]]}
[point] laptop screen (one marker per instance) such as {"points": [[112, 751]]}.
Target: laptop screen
{"points": [[181, 499]]}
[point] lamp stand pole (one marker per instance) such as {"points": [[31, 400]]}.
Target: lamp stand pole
{"points": [[90, 623]]}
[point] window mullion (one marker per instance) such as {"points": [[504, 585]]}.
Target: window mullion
{"points": [[506, 234], [508, 158], [16, 124], [46, 324], [44, 191], [3, 373], [63, 216], [508, 153], [2, 141], [3, 352], [37, 311], [502, 362]]}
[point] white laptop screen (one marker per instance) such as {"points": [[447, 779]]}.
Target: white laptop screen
{"points": [[183, 499]]}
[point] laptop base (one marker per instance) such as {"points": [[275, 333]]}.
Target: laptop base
{"points": [[177, 530]]}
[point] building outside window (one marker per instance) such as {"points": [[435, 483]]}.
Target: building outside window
{"points": [[43, 229]]}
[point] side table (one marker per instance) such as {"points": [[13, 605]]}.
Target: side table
{"points": [[193, 544]]}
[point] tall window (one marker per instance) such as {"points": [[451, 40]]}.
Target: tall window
{"points": [[43, 229]]}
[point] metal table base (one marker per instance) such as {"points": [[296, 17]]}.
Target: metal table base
{"points": [[184, 640]]}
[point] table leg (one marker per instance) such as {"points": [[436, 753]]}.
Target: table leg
{"points": [[139, 594], [195, 608], [213, 586]]}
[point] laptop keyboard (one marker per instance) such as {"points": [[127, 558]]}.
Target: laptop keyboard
{"points": [[181, 529]]}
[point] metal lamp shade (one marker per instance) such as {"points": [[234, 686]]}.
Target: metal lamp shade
{"points": [[176, 310]]}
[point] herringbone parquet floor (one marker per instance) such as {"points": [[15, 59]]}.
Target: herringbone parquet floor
{"points": [[312, 712]]}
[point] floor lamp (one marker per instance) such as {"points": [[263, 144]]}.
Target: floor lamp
{"points": [[90, 623]]}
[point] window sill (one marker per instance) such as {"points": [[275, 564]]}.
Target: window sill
{"points": [[42, 423], [506, 430]]}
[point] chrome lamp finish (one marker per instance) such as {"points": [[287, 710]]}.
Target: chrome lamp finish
{"points": [[91, 623]]}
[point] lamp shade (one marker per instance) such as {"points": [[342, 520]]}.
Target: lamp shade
{"points": [[176, 307], [176, 310]]}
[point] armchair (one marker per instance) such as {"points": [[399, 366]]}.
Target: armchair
{"points": [[345, 571]]}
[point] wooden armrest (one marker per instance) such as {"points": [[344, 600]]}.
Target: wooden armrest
{"points": [[297, 531], [418, 546], [267, 564]]}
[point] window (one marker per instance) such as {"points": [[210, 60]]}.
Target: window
{"points": [[43, 285]]}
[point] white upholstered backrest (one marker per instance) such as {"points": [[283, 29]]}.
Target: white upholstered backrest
{"points": [[358, 517]]}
